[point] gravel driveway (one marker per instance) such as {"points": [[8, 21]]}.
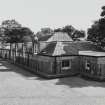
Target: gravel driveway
{"points": [[20, 87]]}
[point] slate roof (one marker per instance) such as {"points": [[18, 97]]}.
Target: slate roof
{"points": [[58, 36], [68, 48]]}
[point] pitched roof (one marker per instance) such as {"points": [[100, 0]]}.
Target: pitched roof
{"points": [[58, 36], [68, 48]]}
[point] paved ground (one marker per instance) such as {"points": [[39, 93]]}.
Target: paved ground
{"points": [[19, 87]]}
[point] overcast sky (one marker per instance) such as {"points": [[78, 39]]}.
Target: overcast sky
{"points": [[37, 14]]}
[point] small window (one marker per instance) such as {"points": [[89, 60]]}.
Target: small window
{"points": [[66, 64], [87, 65]]}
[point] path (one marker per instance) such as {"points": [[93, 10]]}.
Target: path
{"points": [[20, 87]]}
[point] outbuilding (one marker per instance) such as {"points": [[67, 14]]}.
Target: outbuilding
{"points": [[59, 59], [92, 64]]}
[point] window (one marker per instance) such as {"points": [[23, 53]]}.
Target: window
{"points": [[87, 65], [66, 64]]}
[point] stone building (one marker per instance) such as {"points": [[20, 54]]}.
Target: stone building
{"points": [[58, 55]]}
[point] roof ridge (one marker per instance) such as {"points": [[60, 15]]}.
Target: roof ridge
{"points": [[59, 49]]}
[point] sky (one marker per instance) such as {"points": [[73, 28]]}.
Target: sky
{"points": [[37, 14]]}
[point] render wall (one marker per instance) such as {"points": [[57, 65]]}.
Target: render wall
{"points": [[45, 64], [101, 65], [52, 65], [37, 63], [74, 65], [97, 67]]}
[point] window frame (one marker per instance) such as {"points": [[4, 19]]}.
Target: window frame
{"points": [[63, 65], [86, 65]]}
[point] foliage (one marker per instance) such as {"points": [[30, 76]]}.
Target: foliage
{"points": [[97, 31], [10, 24], [44, 32], [103, 11], [72, 32], [14, 32]]}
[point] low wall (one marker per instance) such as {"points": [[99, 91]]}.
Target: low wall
{"points": [[37, 64]]}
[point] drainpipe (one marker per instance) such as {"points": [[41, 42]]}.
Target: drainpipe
{"points": [[55, 66]]}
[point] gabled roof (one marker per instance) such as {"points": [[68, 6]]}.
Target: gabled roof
{"points": [[68, 48], [58, 36]]}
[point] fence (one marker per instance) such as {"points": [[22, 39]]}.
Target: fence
{"points": [[23, 59], [5, 53]]}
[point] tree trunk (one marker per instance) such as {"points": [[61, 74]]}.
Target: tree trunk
{"points": [[10, 50], [33, 48], [15, 51], [23, 49]]}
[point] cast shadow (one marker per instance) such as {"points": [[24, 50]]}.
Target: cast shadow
{"points": [[79, 82], [8, 67]]}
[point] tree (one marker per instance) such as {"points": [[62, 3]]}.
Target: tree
{"points": [[11, 32], [27, 33], [78, 34], [9, 27], [15, 33], [71, 31], [103, 11], [2, 35], [58, 30], [93, 32], [96, 32], [10, 24], [44, 32]]}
